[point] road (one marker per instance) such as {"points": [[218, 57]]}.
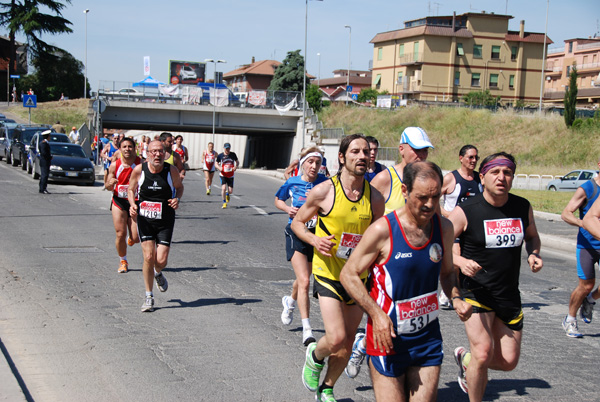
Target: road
{"points": [[73, 328]]}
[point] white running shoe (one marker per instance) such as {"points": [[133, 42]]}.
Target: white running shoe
{"points": [[459, 354], [571, 329], [161, 282], [308, 337], [288, 310], [148, 305], [357, 356], [587, 311], [443, 300]]}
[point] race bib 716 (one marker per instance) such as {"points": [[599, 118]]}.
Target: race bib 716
{"points": [[503, 233]]}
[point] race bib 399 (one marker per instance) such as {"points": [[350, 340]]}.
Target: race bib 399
{"points": [[503, 233]]}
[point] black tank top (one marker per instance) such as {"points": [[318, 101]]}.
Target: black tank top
{"points": [[493, 238], [157, 187]]}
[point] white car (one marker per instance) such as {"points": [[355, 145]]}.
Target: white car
{"points": [[187, 73]]}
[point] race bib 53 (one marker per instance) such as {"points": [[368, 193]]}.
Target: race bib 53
{"points": [[416, 313]]}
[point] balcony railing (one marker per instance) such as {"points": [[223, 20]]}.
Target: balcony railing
{"points": [[588, 46], [408, 58]]}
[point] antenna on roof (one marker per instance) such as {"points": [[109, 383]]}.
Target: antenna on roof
{"points": [[437, 8]]}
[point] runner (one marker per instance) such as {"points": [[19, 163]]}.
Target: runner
{"points": [[159, 190], [414, 146], [405, 254], [293, 168], [459, 185], [119, 174], [172, 158], [298, 252], [374, 166], [324, 171], [346, 205], [181, 150], [492, 227], [107, 154], [209, 156], [227, 164]]}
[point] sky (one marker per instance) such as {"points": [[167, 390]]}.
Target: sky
{"points": [[121, 32]]}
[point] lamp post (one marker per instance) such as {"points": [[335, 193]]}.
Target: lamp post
{"points": [[214, 93], [349, 47], [86, 11], [543, 60], [319, 56], [304, 73]]}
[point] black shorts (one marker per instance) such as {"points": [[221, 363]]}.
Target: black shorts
{"points": [[121, 203], [227, 180], [160, 231], [509, 311], [325, 287], [293, 244]]}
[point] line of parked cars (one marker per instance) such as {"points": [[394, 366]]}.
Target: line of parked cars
{"points": [[20, 144]]}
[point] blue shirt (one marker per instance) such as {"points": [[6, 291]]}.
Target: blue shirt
{"points": [[378, 168], [297, 189], [584, 238]]}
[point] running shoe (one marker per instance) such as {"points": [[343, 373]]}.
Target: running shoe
{"points": [[161, 282], [311, 371], [326, 395], [307, 337], [123, 267], [148, 305], [224, 205], [443, 300], [130, 241], [357, 356], [227, 198], [207, 191], [571, 329], [288, 310], [459, 355], [587, 310]]}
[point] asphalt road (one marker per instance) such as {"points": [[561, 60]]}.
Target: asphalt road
{"points": [[73, 328]]}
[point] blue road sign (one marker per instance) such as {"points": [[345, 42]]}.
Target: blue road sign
{"points": [[29, 101], [349, 88], [15, 76], [355, 97]]}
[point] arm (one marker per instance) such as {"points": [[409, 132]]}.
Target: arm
{"points": [[382, 183], [178, 184], [179, 165], [104, 152], [133, 185], [218, 164], [111, 180], [377, 204], [288, 209], [373, 246], [591, 220], [466, 266], [568, 214], [447, 188], [288, 170], [448, 276], [185, 153], [316, 199], [533, 244]]}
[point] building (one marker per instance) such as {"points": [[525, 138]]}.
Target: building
{"points": [[443, 58], [584, 54], [20, 67], [256, 75], [334, 89]]}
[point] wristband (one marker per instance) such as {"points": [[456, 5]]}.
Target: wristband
{"points": [[536, 254], [458, 297]]}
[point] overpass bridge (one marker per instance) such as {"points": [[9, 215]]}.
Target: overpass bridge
{"points": [[260, 137]]}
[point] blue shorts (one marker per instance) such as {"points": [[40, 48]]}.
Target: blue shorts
{"points": [[430, 354], [586, 258], [293, 244]]}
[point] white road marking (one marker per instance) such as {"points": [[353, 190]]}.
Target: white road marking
{"points": [[259, 210]]}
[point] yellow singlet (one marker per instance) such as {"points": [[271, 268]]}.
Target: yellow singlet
{"points": [[347, 221], [170, 159], [396, 199]]}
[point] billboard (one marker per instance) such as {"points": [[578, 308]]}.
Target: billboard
{"points": [[186, 72]]}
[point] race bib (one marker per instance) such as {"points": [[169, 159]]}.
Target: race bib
{"points": [[122, 190], [503, 233], [348, 243], [415, 314], [228, 168], [151, 210], [312, 223], [210, 158]]}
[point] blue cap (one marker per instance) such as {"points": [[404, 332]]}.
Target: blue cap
{"points": [[227, 145]]}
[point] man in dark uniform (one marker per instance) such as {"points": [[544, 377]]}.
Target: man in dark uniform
{"points": [[45, 159]]}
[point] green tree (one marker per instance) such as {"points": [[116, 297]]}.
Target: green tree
{"points": [[571, 98], [25, 17], [481, 98], [367, 94], [313, 97], [289, 74], [54, 75]]}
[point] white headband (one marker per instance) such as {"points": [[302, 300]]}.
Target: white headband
{"points": [[317, 154]]}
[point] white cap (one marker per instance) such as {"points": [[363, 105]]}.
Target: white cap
{"points": [[416, 137]]}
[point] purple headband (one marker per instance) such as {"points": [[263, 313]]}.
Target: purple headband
{"points": [[498, 162]]}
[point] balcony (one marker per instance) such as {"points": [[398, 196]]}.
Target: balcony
{"points": [[410, 59]]}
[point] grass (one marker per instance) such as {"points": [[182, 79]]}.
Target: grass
{"points": [[70, 112], [546, 201]]}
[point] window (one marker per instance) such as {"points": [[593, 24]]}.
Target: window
{"points": [[400, 78], [475, 79], [416, 51], [493, 80], [568, 70], [511, 81], [477, 51], [401, 51], [495, 52], [457, 78], [380, 53], [378, 81], [459, 49], [513, 52], [570, 47]]}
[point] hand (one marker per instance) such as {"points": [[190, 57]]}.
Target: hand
{"points": [[174, 203], [112, 182], [383, 332], [292, 212], [462, 308], [133, 210], [324, 245], [535, 262], [470, 268]]}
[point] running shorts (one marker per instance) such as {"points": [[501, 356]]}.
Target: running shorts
{"points": [[160, 231], [586, 258], [293, 244], [121, 203], [227, 180], [508, 311], [426, 355], [325, 287]]}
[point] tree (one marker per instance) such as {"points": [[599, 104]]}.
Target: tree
{"points": [[289, 75], [571, 98], [481, 98], [55, 75], [367, 95], [24, 16], [314, 97]]}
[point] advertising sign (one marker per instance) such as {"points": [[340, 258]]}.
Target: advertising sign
{"points": [[146, 66], [186, 72]]}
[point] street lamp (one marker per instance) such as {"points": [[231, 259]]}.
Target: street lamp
{"points": [[543, 60], [304, 73], [86, 11], [319, 56], [349, 47], [214, 93]]}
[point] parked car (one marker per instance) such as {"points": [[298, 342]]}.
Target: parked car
{"points": [[6, 135], [19, 147], [34, 146], [69, 164], [571, 180], [123, 93]]}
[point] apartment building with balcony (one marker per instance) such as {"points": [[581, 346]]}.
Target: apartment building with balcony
{"points": [[582, 53], [442, 58]]}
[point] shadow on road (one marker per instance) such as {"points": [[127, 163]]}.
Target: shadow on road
{"points": [[189, 269], [211, 302], [202, 242]]}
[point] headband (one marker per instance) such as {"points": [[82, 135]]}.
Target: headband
{"points": [[317, 154], [498, 162]]}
